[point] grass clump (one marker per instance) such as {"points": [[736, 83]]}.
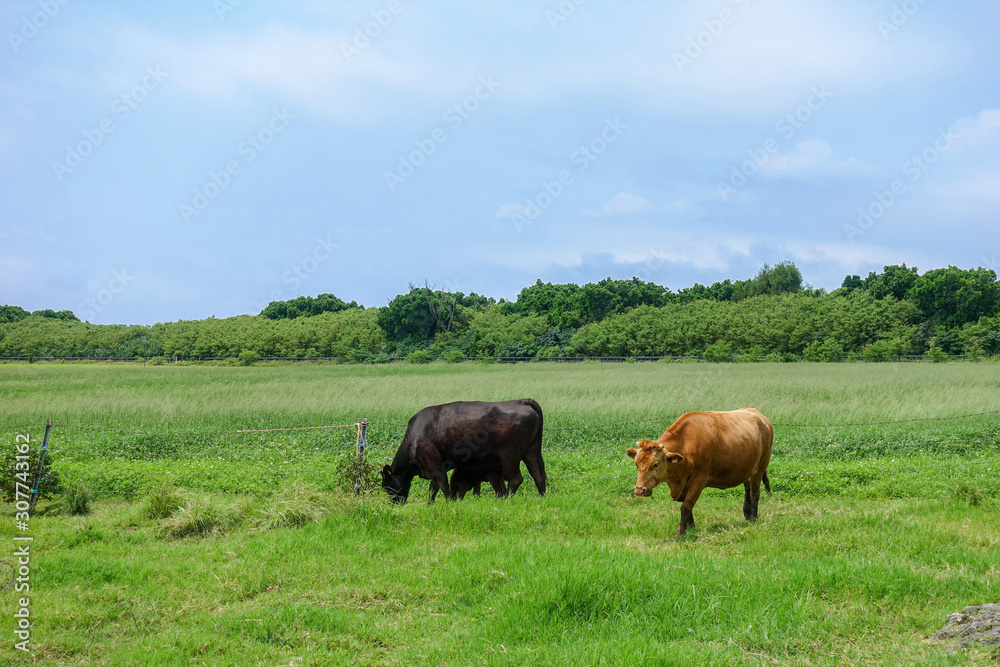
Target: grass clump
{"points": [[161, 503], [201, 515], [295, 506], [969, 494], [77, 499]]}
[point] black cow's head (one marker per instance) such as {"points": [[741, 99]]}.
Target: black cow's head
{"points": [[397, 486]]}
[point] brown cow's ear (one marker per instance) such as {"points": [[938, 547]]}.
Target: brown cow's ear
{"points": [[631, 451], [674, 458]]}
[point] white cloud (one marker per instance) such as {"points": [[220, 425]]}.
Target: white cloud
{"points": [[763, 62], [979, 130], [512, 209], [622, 203], [305, 67], [813, 156]]}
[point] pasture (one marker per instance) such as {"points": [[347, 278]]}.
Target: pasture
{"points": [[882, 522]]}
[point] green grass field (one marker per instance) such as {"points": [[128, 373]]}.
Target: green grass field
{"points": [[883, 519]]}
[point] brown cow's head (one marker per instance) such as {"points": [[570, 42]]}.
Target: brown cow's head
{"points": [[657, 464]]}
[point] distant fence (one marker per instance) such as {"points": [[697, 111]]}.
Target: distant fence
{"points": [[389, 360], [209, 448]]}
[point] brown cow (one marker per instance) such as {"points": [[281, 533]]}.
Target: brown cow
{"points": [[715, 449]]}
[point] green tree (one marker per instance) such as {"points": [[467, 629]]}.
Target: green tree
{"points": [[851, 283], [305, 306], [65, 315], [782, 278], [894, 281], [421, 313], [953, 297], [12, 314]]}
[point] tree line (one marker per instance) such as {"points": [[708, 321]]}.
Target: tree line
{"points": [[773, 315]]}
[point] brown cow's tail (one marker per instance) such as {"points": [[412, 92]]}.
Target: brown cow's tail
{"points": [[767, 483]]}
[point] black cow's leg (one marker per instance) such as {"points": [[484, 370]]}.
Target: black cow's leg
{"points": [[434, 490], [512, 475], [496, 481], [536, 468], [441, 478]]}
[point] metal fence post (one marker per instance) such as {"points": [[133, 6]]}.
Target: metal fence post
{"points": [[41, 466], [361, 445]]}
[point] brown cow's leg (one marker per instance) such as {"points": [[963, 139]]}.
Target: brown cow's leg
{"points": [[749, 507], [754, 492], [687, 515]]}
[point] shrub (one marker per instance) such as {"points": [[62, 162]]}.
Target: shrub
{"points": [[826, 350], [77, 499], [358, 356], [161, 503], [295, 506], [49, 486], [721, 351], [248, 358], [882, 350], [936, 354], [968, 494], [418, 357], [200, 515], [990, 342], [454, 356]]}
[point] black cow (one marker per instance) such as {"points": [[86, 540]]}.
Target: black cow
{"points": [[474, 436], [464, 480]]}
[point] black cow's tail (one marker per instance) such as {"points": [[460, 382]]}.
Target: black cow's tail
{"points": [[537, 444], [767, 483]]}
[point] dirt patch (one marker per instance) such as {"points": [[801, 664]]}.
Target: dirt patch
{"points": [[973, 624]]}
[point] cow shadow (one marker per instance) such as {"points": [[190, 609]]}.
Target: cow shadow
{"points": [[734, 529]]}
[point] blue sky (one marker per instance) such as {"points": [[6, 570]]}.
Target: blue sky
{"points": [[203, 158]]}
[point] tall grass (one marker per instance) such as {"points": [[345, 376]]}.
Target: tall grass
{"points": [[875, 531]]}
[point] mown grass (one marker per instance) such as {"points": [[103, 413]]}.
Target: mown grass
{"points": [[874, 533]]}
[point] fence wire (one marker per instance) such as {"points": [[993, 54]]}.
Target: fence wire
{"points": [[558, 445]]}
